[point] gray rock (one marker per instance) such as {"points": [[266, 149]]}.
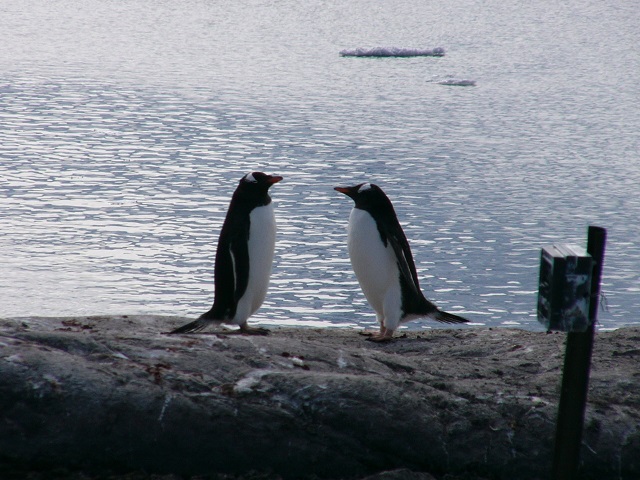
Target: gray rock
{"points": [[113, 393]]}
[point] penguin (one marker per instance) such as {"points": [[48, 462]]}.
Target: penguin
{"points": [[243, 257], [382, 261]]}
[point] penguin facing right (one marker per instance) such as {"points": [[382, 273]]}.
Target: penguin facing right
{"points": [[243, 258], [383, 263]]}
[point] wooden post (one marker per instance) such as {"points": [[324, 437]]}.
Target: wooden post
{"points": [[575, 375]]}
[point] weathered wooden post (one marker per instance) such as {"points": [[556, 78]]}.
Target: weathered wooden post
{"points": [[568, 300]]}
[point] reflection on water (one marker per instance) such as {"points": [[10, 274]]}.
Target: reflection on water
{"points": [[115, 181]]}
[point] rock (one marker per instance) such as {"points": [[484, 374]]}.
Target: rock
{"points": [[400, 474], [97, 394]]}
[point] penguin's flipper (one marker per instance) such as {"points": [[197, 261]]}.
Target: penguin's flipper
{"points": [[231, 275], [406, 265], [239, 251], [445, 317]]}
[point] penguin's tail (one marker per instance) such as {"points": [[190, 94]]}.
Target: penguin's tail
{"points": [[191, 327], [195, 326], [445, 317]]}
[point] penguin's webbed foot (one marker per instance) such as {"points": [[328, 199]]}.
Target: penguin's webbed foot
{"points": [[380, 338], [367, 333], [247, 330], [383, 336]]}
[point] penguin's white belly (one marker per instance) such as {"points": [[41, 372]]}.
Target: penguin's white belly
{"points": [[262, 241], [374, 264]]}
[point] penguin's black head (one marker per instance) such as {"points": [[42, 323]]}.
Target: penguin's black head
{"points": [[253, 189], [367, 196], [259, 180]]}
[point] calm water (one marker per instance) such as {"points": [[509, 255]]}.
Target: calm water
{"points": [[125, 126]]}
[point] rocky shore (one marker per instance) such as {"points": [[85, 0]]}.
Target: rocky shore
{"points": [[105, 396]]}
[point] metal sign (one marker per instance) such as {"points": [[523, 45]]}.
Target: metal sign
{"points": [[564, 288]]}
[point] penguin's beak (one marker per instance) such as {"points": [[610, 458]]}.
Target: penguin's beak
{"points": [[346, 190], [273, 179]]}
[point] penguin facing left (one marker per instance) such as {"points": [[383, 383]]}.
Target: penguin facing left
{"points": [[383, 263], [243, 258]]}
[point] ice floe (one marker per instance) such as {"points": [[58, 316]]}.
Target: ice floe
{"points": [[393, 52]]}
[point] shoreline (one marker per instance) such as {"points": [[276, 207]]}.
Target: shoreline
{"points": [[112, 392]]}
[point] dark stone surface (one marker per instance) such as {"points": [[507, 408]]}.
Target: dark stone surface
{"points": [[107, 395]]}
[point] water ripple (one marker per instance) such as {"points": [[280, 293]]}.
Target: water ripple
{"points": [[120, 147]]}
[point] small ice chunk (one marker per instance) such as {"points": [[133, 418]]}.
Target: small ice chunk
{"points": [[393, 52], [458, 82]]}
